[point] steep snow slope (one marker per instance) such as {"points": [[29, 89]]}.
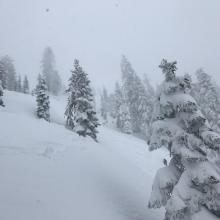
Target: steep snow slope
{"points": [[49, 173]]}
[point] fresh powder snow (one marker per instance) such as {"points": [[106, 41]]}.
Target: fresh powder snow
{"points": [[50, 173]]}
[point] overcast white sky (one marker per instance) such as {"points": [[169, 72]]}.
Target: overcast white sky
{"points": [[98, 32]]}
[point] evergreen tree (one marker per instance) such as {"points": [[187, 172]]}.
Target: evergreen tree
{"points": [[52, 78], [130, 93], [206, 94], [56, 83], [144, 106], [136, 98], [111, 105], [10, 74], [18, 84], [121, 111], [191, 181], [104, 104], [1, 94], [117, 105], [80, 113], [124, 118], [25, 85], [43, 103], [150, 97], [3, 75], [3, 82]]}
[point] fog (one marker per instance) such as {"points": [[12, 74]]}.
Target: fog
{"points": [[98, 32]]}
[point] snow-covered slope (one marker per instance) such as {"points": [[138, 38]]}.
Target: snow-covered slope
{"points": [[50, 173]]}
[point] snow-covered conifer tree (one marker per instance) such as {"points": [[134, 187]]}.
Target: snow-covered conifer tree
{"points": [[10, 73], [150, 98], [3, 75], [191, 182], [18, 84], [1, 94], [52, 78], [42, 98], [144, 105], [206, 94], [104, 104], [128, 78], [80, 113], [124, 118], [111, 105], [3, 82], [25, 88], [121, 111], [136, 97], [117, 105]]}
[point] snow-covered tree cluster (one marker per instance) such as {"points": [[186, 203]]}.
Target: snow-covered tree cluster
{"points": [[9, 78], [131, 104], [22, 85], [49, 72], [191, 181], [8, 72], [80, 113], [42, 98]]}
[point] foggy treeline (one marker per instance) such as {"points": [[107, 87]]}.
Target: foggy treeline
{"points": [[130, 107]]}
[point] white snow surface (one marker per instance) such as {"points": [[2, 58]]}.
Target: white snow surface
{"points": [[50, 173]]}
